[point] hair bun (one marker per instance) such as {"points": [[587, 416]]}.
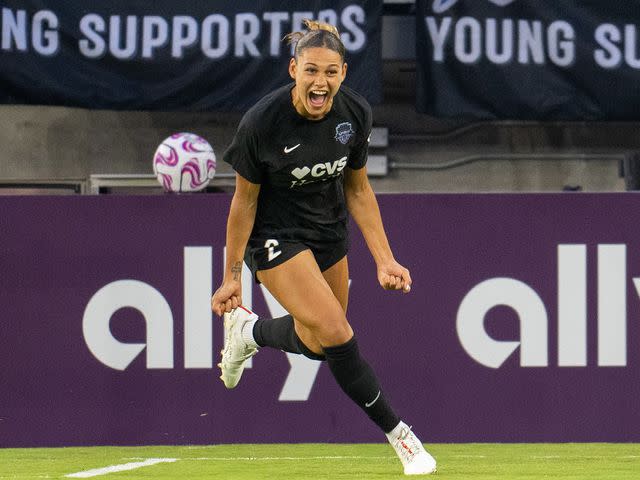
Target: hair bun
{"points": [[316, 25]]}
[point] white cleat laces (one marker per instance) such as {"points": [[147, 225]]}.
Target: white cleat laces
{"points": [[415, 459]]}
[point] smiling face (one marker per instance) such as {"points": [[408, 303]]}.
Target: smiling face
{"points": [[318, 73]]}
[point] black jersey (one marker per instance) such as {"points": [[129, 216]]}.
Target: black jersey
{"points": [[299, 164]]}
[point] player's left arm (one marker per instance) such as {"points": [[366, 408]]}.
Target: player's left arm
{"points": [[363, 207]]}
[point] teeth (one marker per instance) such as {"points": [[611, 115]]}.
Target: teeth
{"points": [[318, 92]]}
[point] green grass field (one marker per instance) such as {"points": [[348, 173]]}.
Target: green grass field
{"points": [[320, 461]]}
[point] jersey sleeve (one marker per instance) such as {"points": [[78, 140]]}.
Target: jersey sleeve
{"points": [[358, 154], [242, 154]]}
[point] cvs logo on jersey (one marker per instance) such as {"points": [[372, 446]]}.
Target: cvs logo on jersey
{"points": [[319, 172]]}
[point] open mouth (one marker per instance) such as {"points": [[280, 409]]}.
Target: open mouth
{"points": [[317, 98]]}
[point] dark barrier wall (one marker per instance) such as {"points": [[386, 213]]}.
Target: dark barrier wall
{"points": [[517, 59], [166, 55], [522, 324]]}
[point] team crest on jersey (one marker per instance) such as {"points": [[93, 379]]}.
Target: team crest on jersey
{"points": [[344, 132]]}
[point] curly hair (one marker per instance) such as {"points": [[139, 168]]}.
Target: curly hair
{"points": [[318, 34]]}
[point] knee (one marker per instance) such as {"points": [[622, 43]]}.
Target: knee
{"points": [[334, 331]]}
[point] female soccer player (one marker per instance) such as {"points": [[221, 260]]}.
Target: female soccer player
{"points": [[299, 156]]}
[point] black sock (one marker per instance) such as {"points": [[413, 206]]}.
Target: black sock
{"points": [[359, 382], [280, 333]]}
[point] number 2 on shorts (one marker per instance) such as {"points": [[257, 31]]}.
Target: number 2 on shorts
{"points": [[271, 251]]}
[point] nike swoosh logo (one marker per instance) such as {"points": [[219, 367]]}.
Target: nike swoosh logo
{"points": [[290, 149], [373, 401]]}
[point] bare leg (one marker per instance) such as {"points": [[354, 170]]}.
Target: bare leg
{"points": [[337, 276], [302, 289]]}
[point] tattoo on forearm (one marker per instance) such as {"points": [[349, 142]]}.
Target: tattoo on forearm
{"points": [[236, 269]]}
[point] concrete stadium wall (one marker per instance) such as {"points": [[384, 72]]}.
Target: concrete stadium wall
{"points": [[425, 155]]}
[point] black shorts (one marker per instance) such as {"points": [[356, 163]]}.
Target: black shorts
{"points": [[265, 254]]}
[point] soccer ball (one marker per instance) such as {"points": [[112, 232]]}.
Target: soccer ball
{"points": [[184, 162]]}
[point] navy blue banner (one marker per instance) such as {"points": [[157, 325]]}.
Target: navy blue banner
{"points": [[518, 59], [166, 55]]}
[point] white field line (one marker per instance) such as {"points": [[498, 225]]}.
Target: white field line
{"points": [[120, 468]]}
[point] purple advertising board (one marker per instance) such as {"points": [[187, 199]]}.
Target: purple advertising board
{"points": [[521, 326]]}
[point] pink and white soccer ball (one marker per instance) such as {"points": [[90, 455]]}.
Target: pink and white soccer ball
{"points": [[184, 162]]}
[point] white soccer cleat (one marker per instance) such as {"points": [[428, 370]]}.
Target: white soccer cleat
{"points": [[415, 459], [235, 351]]}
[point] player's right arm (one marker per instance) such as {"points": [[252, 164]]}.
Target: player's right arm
{"points": [[242, 214]]}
